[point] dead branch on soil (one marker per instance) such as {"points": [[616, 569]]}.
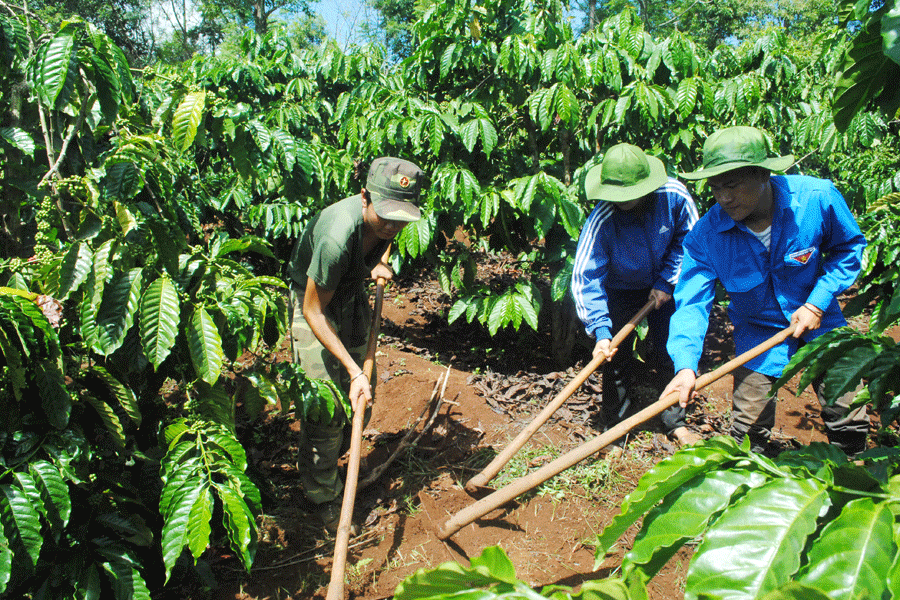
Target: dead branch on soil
{"points": [[317, 552], [412, 438]]}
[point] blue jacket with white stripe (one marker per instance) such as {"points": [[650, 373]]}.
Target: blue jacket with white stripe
{"points": [[630, 250]]}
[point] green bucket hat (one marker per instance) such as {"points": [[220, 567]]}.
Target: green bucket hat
{"points": [[734, 148], [393, 185], [625, 174]]}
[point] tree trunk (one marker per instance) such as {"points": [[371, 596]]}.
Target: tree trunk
{"points": [[260, 17], [532, 144]]}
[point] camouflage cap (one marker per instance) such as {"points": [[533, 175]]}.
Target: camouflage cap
{"points": [[393, 185]]}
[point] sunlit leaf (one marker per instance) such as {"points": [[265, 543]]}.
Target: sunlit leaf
{"points": [[186, 119]]}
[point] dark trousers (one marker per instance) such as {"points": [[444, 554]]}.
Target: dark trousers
{"points": [[754, 413], [620, 373]]}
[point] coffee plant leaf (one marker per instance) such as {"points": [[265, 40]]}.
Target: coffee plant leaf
{"points": [[685, 515], [121, 569], [116, 315], [21, 523], [205, 344], [665, 477], [110, 421], [19, 139], [50, 66], [783, 513], [175, 532], [72, 271], [215, 404], [186, 120], [415, 238], [54, 494], [890, 33], [123, 394], [863, 77], [795, 591], [448, 580], [846, 373], [198, 523], [55, 399], [240, 523], [854, 552], [159, 319]]}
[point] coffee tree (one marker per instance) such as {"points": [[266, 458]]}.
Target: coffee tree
{"points": [[146, 215], [109, 487]]}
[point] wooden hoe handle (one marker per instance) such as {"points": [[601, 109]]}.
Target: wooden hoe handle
{"points": [[490, 471], [342, 537], [532, 480]]}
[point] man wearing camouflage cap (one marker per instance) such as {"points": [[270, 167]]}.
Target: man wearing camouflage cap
{"points": [[783, 247], [340, 249]]}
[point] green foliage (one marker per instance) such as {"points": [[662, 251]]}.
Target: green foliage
{"points": [[157, 212], [810, 517], [204, 468], [515, 305], [491, 575], [870, 62]]}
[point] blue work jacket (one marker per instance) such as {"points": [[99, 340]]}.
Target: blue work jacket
{"points": [[816, 247], [630, 250]]}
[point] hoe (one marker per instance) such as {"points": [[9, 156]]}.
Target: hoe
{"points": [[523, 484]]}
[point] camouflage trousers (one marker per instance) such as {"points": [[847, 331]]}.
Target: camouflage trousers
{"points": [[323, 443]]}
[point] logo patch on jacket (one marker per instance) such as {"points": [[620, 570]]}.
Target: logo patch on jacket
{"points": [[801, 257], [663, 229]]}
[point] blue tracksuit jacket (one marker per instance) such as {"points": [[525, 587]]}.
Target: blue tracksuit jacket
{"points": [[630, 250], [815, 254]]}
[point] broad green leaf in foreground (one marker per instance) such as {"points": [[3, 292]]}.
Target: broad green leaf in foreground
{"points": [[110, 421], [854, 552], [449, 579], [124, 394], [19, 138], [661, 480], [21, 522], [116, 316], [795, 591], [756, 545], [52, 66], [54, 491], [73, 271], [239, 522], [685, 515]]}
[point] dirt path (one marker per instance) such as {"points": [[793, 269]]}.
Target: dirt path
{"points": [[549, 535]]}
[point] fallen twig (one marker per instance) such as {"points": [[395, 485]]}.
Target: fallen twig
{"points": [[412, 438], [316, 552]]}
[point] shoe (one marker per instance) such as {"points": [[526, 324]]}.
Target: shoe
{"points": [[614, 453], [685, 437], [329, 513]]}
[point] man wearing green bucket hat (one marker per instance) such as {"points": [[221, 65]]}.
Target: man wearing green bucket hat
{"points": [[340, 249], [783, 247], [629, 251]]}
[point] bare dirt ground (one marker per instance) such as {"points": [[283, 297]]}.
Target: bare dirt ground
{"points": [[495, 386]]}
